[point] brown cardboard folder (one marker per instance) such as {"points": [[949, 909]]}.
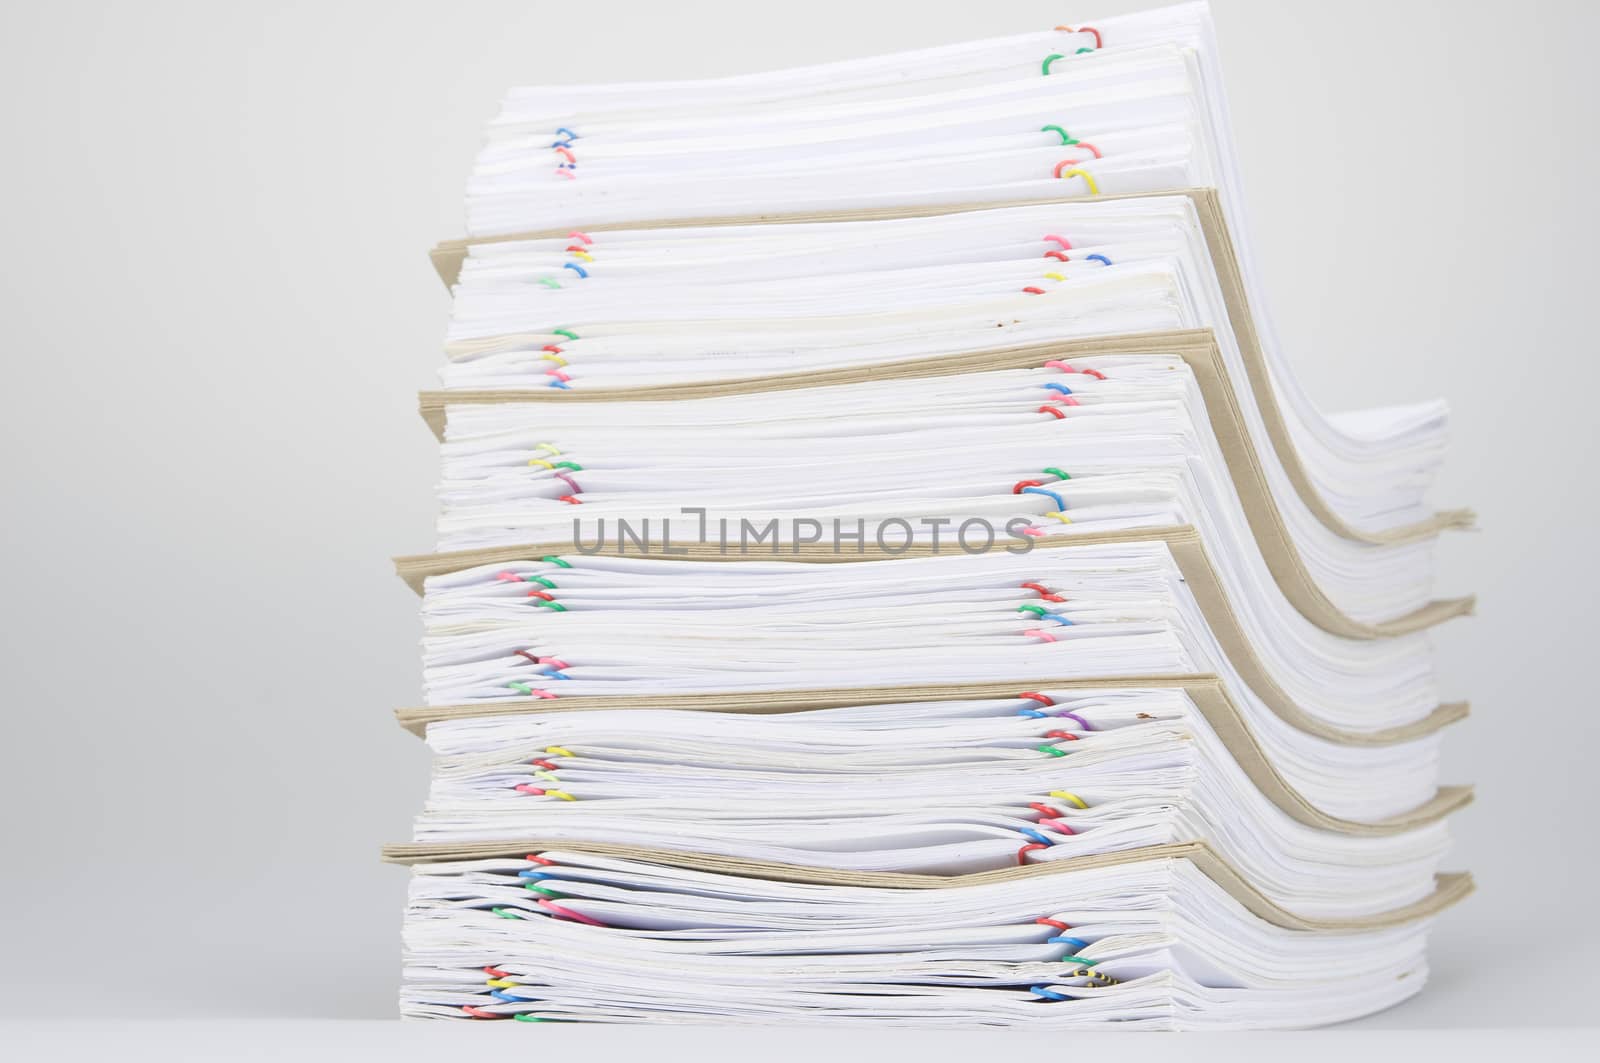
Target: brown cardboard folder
{"points": [[448, 258], [1198, 348], [1449, 888], [1184, 543], [1206, 692]]}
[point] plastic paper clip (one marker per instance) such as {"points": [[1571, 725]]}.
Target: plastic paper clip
{"points": [[568, 913], [1088, 179], [1085, 29], [1047, 493]]}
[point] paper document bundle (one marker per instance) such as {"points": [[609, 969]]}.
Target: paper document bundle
{"points": [[887, 573]]}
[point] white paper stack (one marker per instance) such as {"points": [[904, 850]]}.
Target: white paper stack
{"points": [[886, 571]]}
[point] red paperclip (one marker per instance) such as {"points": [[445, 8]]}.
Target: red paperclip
{"points": [[1084, 29], [1022, 853]]}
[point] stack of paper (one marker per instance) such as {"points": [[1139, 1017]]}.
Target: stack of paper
{"points": [[886, 571]]}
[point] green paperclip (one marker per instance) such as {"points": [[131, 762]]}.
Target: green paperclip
{"points": [[542, 581], [1045, 67], [552, 894], [557, 560], [1057, 473], [1052, 750], [575, 467], [505, 913], [568, 333], [1036, 610], [1066, 141], [549, 282], [557, 606]]}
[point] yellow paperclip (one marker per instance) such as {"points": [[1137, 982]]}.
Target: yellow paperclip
{"points": [[556, 358], [1055, 276], [1094, 189], [536, 461], [1062, 517], [560, 751], [547, 446], [501, 983], [561, 794], [548, 776], [1065, 795]]}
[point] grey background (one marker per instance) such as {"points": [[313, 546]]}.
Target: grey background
{"points": [[218, 310]]}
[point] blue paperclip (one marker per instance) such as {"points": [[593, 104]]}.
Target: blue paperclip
{"points": [[1048, 994], [1049, 494], [1098, 258], [1035, 835], [1059, 387], [1082, 944], [574, 266]]}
